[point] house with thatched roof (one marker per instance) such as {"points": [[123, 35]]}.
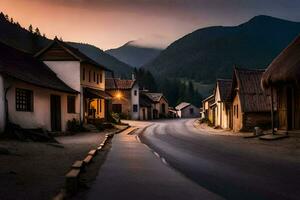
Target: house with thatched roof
{"points": [[125, 97], [282, 78], [251, 106], [223, 105]]}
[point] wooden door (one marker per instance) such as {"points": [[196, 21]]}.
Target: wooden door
{"points": [[144, 114], [282, 108], [55, 107]]}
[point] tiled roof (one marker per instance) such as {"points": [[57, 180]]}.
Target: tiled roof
{"points": [[73, 51], [144, 101], [155, 97], [113, 84], [23, 66], [285, 68], [182, 105], [252, 97]]}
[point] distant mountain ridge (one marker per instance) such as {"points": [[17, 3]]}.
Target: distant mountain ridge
{"points": [[210, 53], [14, 35], [134, 54]]}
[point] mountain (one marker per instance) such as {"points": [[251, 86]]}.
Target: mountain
{"points": [[14, 35], [120, 68], [134, 54], [211, 53]]}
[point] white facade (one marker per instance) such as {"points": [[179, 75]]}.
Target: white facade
{"points": [[40, 117], [189, 111], [221, 114], [135, 101]]}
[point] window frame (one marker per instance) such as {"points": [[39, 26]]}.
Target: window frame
{"points": [[135, 108], [28, 106]]}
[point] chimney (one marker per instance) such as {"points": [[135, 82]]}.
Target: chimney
{"points": [[133, 76]]}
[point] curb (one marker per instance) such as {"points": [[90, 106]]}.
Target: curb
{"points": [[79, 166]]}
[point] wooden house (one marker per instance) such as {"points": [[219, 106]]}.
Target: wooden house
{"points": [[223, 105], [125, 97], [250, 105], [208, 106], [31, 94], [187, 110], [282, 79], [82, 74]]}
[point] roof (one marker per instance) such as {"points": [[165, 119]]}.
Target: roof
{"points": [[182, 105], [252, 97], [285, 68], [208, 98], [76, 53], [155, 97], [24, 67], [93, 93], [113, 84], [144, 101], [224, 88]]}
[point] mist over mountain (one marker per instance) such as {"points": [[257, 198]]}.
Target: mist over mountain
{"points": [[135, 54], [210, 53]]}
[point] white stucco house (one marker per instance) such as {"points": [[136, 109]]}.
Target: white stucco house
{"points": [[187, 110], [125, 97], [31, 94], [83, 75]]}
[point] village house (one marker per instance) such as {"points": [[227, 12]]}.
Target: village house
{"points": [[282, 79], [82, 74], [187, 110], [208, 108], [31, 95], [250, 105], [125, 97], [223, 105], [153, 106]]}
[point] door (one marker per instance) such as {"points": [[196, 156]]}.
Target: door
{"points": [[144, 114], [55, 107]]}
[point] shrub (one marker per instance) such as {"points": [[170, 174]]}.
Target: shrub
{"points": [[74, 126]]}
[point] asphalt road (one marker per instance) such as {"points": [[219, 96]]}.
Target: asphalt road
{"points": [[228, 166]]}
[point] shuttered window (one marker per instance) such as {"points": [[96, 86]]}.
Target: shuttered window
{"points": [[24, 100], [71, 104]]}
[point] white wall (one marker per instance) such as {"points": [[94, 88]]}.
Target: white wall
{"points": [[135, 100], [68, 71], [41, 115], [2, 105]]}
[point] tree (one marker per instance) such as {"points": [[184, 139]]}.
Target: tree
{"points": [[30, 28], [11, 20], [37, 31], [6, 17]]}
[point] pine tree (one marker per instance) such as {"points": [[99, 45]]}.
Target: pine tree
{"points": [[30, 28], [6, 17], [37, 31], [11, 20]]}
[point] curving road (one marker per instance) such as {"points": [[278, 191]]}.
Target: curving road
{"points": [[232, 167]]}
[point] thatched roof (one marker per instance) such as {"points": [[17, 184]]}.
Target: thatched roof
{"points": [[285, 68], [252, 97]]}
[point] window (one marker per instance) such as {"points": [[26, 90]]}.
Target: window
{"points": [[101, 78], [94, 76], [90, 76], [98, 104], [237, 111], [71, 104], [191, 110], [97, 78], [135, 92], [135, 108], [24, 100], [83, 73], [117, 108]]}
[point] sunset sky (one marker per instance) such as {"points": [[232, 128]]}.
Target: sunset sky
{"points": [[111, 23]]}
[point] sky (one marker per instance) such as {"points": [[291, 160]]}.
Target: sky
{"points": [[155, 23]]}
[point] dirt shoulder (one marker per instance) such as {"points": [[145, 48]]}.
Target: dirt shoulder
{"points": [[36, 170]]}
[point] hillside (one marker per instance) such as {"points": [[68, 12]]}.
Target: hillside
{"points": [[134, 54], [210, 53], [20, 38]]}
